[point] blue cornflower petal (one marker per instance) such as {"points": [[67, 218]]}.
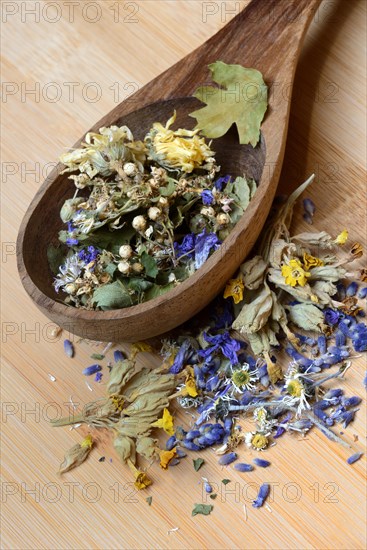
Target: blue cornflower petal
{"points": [[227, 459], [321, 342], [262, 496], [207, 197], [242, 467], [93, 369], [180, 359], [68, 348], [221, 182], [208, 488], [204, 245], [352, 459], [71, 241], [187, 246], [261, 462], [171, 442]]}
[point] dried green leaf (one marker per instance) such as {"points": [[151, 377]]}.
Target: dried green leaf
{"points": [[226, 481], [203, 509], [255, 314], [324, 290], [146, 447], [307, 316], [198, 462], [327, 273], [150, 265], [254, 272], [158, 290], [242, 100], [149, 500], [97, 356], [112, 296], [322, 240], [213, 496]]}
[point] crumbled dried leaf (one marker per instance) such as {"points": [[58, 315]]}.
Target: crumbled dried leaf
{"points": [[203, 509]]}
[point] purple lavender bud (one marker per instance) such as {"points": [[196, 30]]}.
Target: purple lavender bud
{"points": [[337, 392], [319, 413], [340, 338], [98, 377], [171, 442], [352, 289], [68, 348], [280, 431], [308, 218], [192, 434], [352, 459], [180, 454], [227, 459], [228, 425], [347, 417], [190, 445], [331, 316], [261, 462], [351, 401], [242, 467], [341, 291], [174, 462], [309, 206], [362, 293], [321, 342], [322, 404], [365, 380], [262, 496], [118, 355], [202, 441], [93, 369], [208, 488]]}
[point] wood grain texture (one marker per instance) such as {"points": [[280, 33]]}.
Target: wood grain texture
{"points": [[272, 45], [324, 507]]}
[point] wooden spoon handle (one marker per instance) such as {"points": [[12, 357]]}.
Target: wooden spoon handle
{"points": [[266, 35]]}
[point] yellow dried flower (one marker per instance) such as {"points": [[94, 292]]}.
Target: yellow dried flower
{"points": [[166, 422], [177, 149], [294, 273], [87, 442], [166, 457], [342, 237], [190, 386], [234, 289], [311, 261], [356, 250], [142, 481]]}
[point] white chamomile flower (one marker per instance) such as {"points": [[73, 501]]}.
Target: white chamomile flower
{"points": [[242, 378], [296, 390]]}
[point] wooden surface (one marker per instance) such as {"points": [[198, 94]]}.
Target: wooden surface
{"points": [[318, 501], [272, 46]]}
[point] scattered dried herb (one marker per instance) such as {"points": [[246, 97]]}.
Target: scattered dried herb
{"points": [[198, 462], [203, 509]]}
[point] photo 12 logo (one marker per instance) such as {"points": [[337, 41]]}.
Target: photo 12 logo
{"points": [[53, 12]]}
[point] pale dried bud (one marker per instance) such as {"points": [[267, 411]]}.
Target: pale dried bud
{"points": [[130, 169], [125, 251], [154, 213], [139, 223], [124, 268], [137, 267], [223, 219], [70, 288], [208, 211], [163, 202]]}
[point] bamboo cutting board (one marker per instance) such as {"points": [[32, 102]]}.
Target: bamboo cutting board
{"points": [[64, 65]]}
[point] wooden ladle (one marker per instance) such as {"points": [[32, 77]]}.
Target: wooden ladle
{"points": [[266, 35]]}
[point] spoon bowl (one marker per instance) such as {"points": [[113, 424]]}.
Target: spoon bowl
{"points": [[235, 43]]}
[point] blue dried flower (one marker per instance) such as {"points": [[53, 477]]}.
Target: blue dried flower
{"points": [[69, 348], [180, 359], [98, 377], [362, 293], [228, 346], [93, 369], [221, 182], [331, 316], [352, 459], [359, 337], [242, 467], [205, 243], [261, 462], [207, 197], [262, 496], [191, 445], [171, 442], [227, 459], [88, 255], [187, 247], [351, 401]]}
